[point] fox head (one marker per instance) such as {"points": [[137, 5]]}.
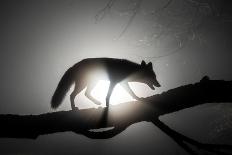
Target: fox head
{"points": [[147, 75]]}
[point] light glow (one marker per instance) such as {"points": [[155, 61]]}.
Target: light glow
{"points": [[99, 92], [119, 95]]}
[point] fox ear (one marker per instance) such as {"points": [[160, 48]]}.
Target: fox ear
{"points": [[143, 63], [149, 65]]}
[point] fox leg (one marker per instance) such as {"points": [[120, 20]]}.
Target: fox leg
{"points": [[110, 90], [88, 93], [77, 90], [126, 86]]}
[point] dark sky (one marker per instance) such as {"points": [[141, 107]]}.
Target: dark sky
{"points": [[40, 39]]}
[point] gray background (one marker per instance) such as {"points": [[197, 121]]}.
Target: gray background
{"points": [[39, 40]]}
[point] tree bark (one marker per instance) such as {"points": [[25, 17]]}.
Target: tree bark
{"points": [[117, 117]]}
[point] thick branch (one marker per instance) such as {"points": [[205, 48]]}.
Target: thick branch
{"points": [[120, 116], [182, 141]]}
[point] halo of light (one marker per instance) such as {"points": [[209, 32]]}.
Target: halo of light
{"points": [[119, 95]]}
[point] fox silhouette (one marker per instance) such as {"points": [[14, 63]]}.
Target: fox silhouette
{"points": [[88, 72]]}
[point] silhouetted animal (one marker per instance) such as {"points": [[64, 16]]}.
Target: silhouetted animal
{"points": [[89, 71]]}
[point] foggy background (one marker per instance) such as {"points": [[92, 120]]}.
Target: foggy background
{"points": [[185, 40]]}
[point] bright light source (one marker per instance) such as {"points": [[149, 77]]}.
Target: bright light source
{"points": [[119, 95]]}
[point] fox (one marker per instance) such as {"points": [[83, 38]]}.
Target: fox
{"points": [[89, 71]]}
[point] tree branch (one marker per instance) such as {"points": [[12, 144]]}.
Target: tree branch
{"points": [[184, 140], [121, 116], [134, 13], [104, 11]]}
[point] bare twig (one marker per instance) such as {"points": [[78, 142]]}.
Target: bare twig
{"points": [[135, 10], [163, 7], [104, 11]]}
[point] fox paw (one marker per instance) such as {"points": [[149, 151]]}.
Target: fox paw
{"points": [[140, 99], [97, 103], [75, 108]]}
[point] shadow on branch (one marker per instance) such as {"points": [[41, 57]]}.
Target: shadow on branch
{"points": [[104, 123]]}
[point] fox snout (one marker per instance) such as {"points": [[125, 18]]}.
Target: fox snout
{"points": [[154, 84], [157, 84]]}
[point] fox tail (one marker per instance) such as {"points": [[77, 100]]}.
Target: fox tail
{"points": [[62, 88]]}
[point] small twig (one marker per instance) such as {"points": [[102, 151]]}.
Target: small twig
{"points": [[102, 13], [163, 7], [198, 4], [135, 11], [181, 45]]}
